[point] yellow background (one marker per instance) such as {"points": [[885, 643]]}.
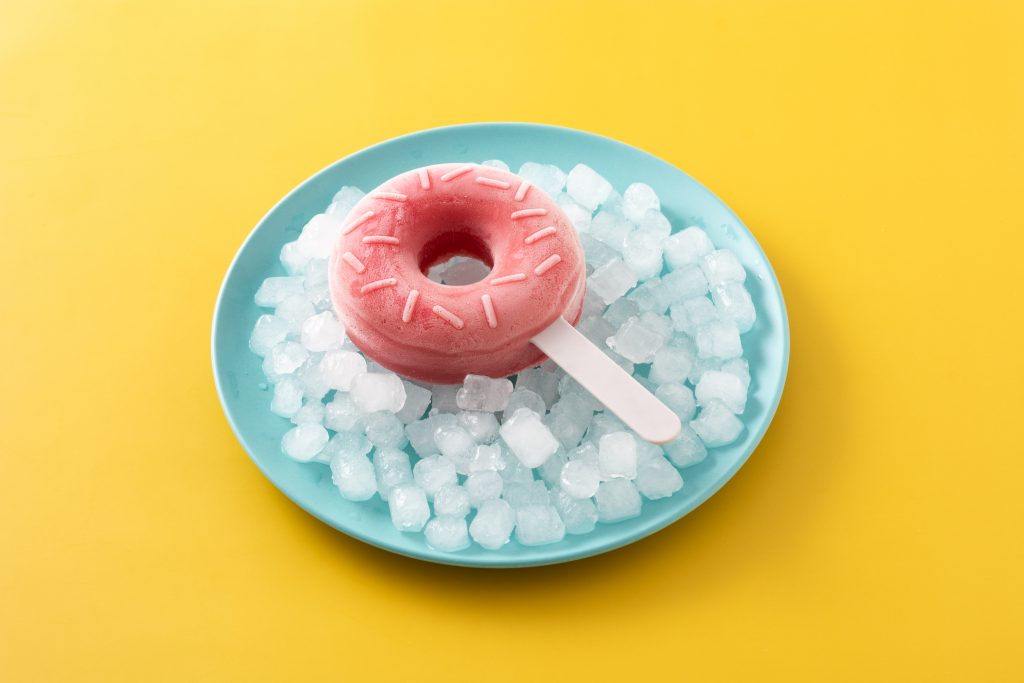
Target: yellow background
{"points": [[874, 148]]}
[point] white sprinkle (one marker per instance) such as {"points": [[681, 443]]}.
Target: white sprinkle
{"points": [[535, 237], [349, 258], [547, 264], [455, 173], [410, 303], [424, 179], [509, 279], [380, 239], [528, 213], [455, 320], [389, 196], [379, 284], [357, 222], [493, 182], [492, 319], [521, 191]]}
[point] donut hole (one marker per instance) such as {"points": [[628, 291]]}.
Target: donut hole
{"points": [[456, 259]]}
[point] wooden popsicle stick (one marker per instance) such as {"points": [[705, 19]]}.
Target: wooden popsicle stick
{"points": [[611, 385]]}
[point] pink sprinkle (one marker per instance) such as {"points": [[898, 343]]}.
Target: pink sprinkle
{"points": [[410, 303], [357, 222], [528, 213], [350, 258], [547, 264], [380, 239], [379, 284], [493, 182], [424, 179], [509, 279], [492, 319], [455, 173], [535, 237], [455, 320], [521, 191], [389, 196]]}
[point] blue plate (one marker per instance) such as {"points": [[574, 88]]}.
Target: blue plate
{"points": [[685, 202]]}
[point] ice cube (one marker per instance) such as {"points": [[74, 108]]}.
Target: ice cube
{"points": [[354, 476], [579, 216], [373, 391], [611, 229], [384, 430], [612, 280], [635, 341], [587, 187], [483, 427], [303, 442], [483, 394], [515, 472], [596, 329], [687, 449], [603, 423], [311, 411], [655, 223], [409, 509], [492, 526], [274, 290], [547, 177], [416, 401], [456, 443], [656, 478], [319, 235], [579, 479], [433, 472], [442, 398], [312, 379], [552, 467], [344, 201], [495, 163], [530, 440], [447, 534], [487, 458], [723, 386], [391, 468], [421, 433], [678, 398], [722, 266], [268, 332], [716, 425], [597, 253], [685, 283], [671, 364], [616, 456], [702, 365], [340, 367], [521, 494], [293, 260], [641, 251], [690, 315], [578, 514], [349, 443], [322, 332], [719, 340], [342, 414], [294, 310], [586, 452], [637, 200], [524, 398], [732, 301], [452, 500], [617, 499], [539, 525], [739, 367], [541, 382], [652, 296], [287, 397], [687, 246], [483, 486], [569, 418], [620, 311], [285, 358]]}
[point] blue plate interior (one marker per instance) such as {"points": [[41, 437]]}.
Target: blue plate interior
{"points": [[239, 378]]}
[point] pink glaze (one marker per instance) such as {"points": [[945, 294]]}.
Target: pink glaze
{"points": [[437, 333]]}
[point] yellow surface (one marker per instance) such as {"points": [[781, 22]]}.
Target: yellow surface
{"points": [[875, 149]]}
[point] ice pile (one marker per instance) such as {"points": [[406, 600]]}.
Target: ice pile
{"points": [[533, 457]]}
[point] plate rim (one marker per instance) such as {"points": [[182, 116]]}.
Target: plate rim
{"points": [[500, 561]]}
